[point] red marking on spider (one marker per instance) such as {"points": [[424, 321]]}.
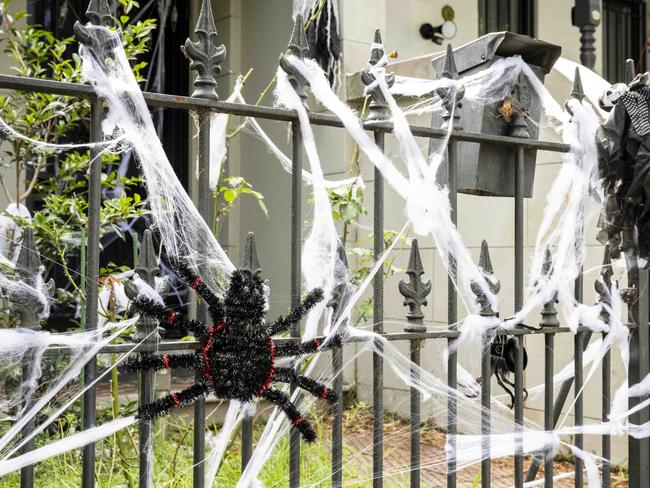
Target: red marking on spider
{"points": [[177, 402], [269, 376], [317, 342], [197, 282], [171, 318], [207, 371], [323, 395], [166, 361], [297, 421]]}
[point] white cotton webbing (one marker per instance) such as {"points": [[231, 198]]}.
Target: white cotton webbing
{"points": [[73, 371], [69, 443], [283, 159], [184, 233], [73, 398], [426, 203], [322, 266]]}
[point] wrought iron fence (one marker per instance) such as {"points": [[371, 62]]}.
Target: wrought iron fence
{"points": [[205, 59]]}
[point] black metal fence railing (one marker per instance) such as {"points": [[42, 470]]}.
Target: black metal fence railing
{"points": [[415, 291]]}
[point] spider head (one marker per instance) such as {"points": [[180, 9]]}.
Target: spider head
{"points": [[245, 301]]}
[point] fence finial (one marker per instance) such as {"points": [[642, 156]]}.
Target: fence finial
{"points": [[249, 260], [549, 312], [577, 91], [415, 291], [449, 69], [449, 102], [378, 108], [485, 264], [98, 12], [205, 55], [25, 303], [299, 48]]}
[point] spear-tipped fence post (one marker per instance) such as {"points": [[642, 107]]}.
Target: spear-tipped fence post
{"points": [[379, 112], [548, 320], [452, 104], [250, 264], [518, 130], [337, 304], [99, 14], [205, 58], [485, 265], [603, 287], [29, 307], [297, 47], [147, 333], [581, 339], [415, 293]]}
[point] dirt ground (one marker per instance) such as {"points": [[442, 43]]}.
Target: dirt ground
{"points": [[358, 437]]}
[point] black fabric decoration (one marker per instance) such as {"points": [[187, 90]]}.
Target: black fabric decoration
{"points": [[623, 144], [236, 359], [323, 39], [503, 353]]}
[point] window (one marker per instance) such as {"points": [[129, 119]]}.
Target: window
{"points": [[623, 37], [507, 15]]}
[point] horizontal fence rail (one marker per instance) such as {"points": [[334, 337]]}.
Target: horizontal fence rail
{"points": [[415, 290]]}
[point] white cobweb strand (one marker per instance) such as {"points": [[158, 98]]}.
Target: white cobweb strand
{"points": [[182, 229], [66, 444], [321, 266], [426, 203]]}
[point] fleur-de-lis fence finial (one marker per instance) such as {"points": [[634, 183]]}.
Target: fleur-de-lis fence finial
{"points": [[299, 48], [485, 264], [250, 263], [378, 108], [549, 311], [451, 97], [205, 55], [415, 292], [27, 301], [98, 14]]}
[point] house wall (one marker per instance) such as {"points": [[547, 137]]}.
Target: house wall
{"points": [[9, 174]]}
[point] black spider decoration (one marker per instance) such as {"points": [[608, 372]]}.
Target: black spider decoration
{"points": [[503, 353], [237, 355]]}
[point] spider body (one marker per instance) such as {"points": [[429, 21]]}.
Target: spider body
{"points": [[237, 354]]}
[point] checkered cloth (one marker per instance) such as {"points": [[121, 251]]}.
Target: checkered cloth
{"points": [[637, 104]]}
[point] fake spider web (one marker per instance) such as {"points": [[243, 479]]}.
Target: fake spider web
{"points": [[128, 125]]}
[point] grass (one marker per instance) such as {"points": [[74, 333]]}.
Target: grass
{"points": [[117, 459]]}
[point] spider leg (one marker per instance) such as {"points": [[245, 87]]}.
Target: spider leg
{"points": [[500, 381], [153, 309], [292, 348], [283, 324], [165, 404], [289, 375], [215, 305], [281, 400], [157, 362]]}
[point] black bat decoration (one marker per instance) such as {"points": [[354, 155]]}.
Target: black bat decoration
{"points": [[237, 356]]}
